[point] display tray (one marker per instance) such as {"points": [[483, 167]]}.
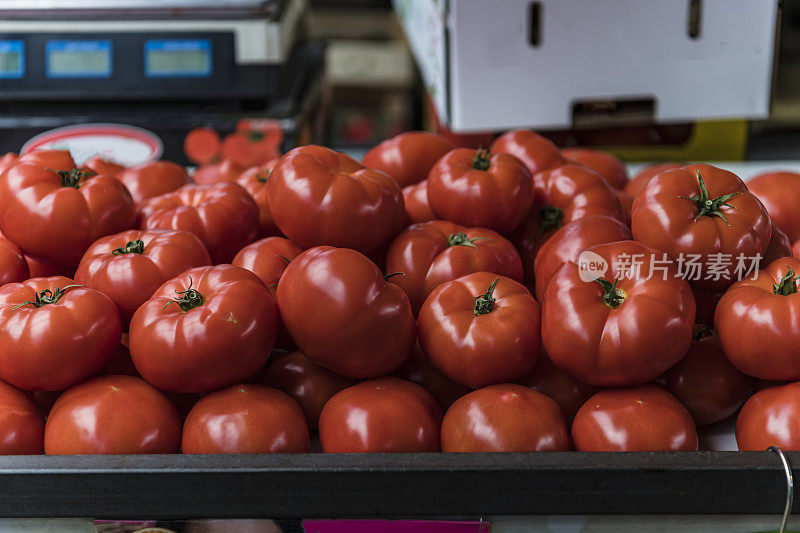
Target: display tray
{"points": [[464, 486]]}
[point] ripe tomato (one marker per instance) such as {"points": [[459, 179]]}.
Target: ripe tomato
{"points": [[415, 198], [568, 392], [254, 180], [504, 418], [779, 246], [419, 369], [153, 179], [777, 191], [98, 165], [112, 415], [757, 325], [705, 212], [536, 152], [21, 423], [310, 385], [245, 419], [318, 196], [770, 418], [56, 160], [633, 419], [474, 188], [706, 383], [408, 157], [481, 329], [567, 243], [54, 333], [6, 160], [649, 172], [381, 415], [251, 147], [343, 315], [610, 168], [225, 170], [571, 192], [431, 253], [39, 268], [128, 267], [13, 267], [223, 216], [267, 259], [55, 215], [203, 330], [615, 324]]}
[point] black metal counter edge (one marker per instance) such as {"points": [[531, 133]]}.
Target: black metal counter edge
{"points": [[392, 485]]}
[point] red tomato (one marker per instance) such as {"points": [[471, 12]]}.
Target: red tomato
{"points": [[481, 329], [777, 191], [267, 259], [56, 160], [649, 172], [223, 216], [504, 418], [633, 419], [610, 168], [203, 330], [408, 157], [13, 267], [39, 268], [615, 324], [98, 165], [6, 160], [706, 383], [779, 246], [431, 253], [318, 196], [756, 320], [245, 419], [567, 243], [112, 415], [536, 152], [225, 170], [415, 198], [21, 423], [153, 179], [570, 192], [54, 333], [381, 415], [201, 145], [248, 148], [419, 369], [128, 267], [254, 180], [474, 188], [343, 315], [310, 385], [55, 215], [568, 392], [770, 417], [705, 213]]}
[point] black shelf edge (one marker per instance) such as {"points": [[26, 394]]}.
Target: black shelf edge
{"points": [[392, 485]]}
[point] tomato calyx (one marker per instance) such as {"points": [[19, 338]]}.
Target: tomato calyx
{"points": [[612, 296], [188, 299], [131, 247], [482, 160], [484, 303], [552, 219], [707, 206], [72, 178], [265, 173], [47, 296], [787, 285], [462, 239], [703, 331]]}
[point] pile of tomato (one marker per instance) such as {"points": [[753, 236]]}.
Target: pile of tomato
{"points": [[428, 298]]}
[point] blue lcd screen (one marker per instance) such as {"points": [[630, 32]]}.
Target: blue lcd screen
{"points": [[12, 59], [78, 59], [177, 58]]}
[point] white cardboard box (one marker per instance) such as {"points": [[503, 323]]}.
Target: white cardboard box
{"points": [[483, 73]]}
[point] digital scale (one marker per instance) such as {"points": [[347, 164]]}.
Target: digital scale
{"points": [[151, 63]]}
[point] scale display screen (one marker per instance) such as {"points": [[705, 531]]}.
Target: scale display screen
{"points": [[78, 59], [177, 58], [12, 59]]}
